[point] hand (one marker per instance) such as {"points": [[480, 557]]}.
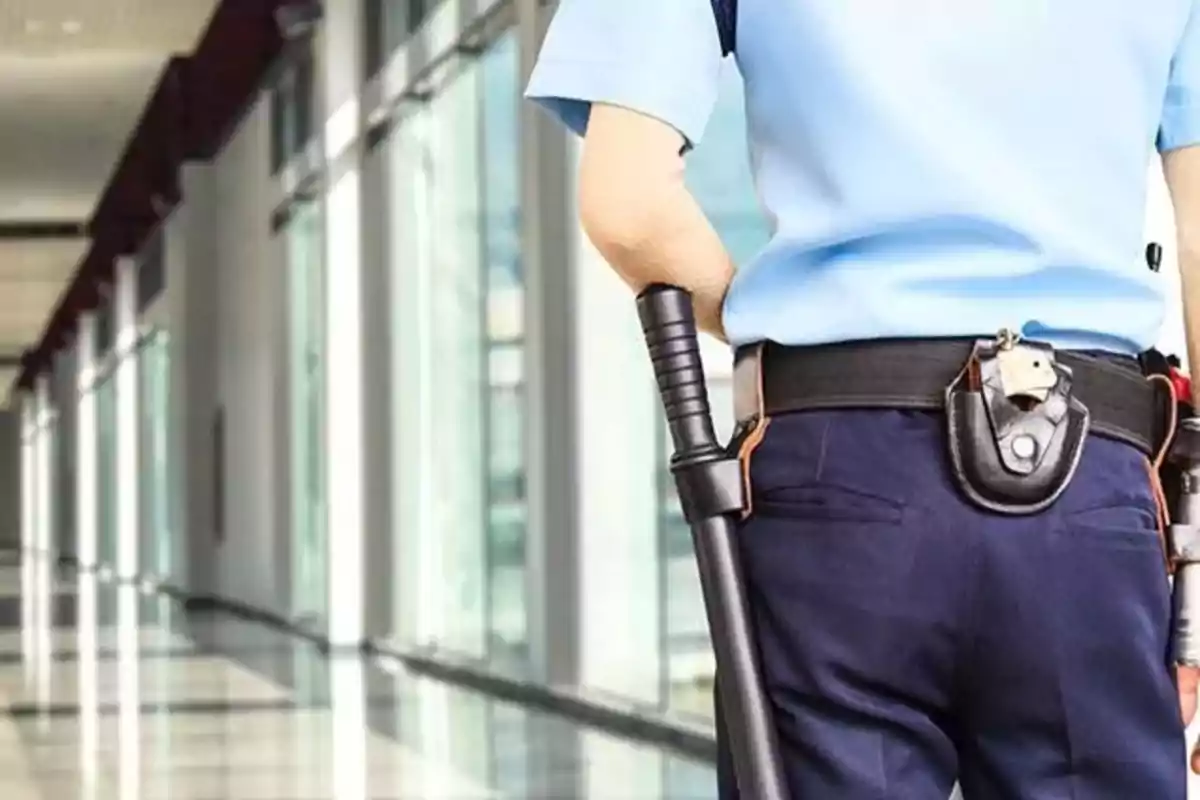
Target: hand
{"points": [[709, 306], [1188, 679]]}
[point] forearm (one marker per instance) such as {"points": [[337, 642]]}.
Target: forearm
{"points": [[676, 246], [637, 211]]}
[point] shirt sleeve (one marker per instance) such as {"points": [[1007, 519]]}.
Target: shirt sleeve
{"points": [[1181, 111], [661, 58]]}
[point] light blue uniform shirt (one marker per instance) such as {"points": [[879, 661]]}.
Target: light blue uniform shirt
{"points": [[929, 167]]}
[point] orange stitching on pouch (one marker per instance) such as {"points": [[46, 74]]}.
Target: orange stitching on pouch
{"points": [[1160, 511], [762, 403], [755, 437], [972, 372], [749, 445], [1153, 467]]}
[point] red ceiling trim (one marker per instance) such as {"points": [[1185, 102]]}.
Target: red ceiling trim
{"points": [[197, 100]]}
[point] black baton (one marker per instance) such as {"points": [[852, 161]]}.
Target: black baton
{"points": [[709, 481]]}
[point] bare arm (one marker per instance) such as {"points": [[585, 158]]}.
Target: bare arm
{"points": [[1182, 169], [639, 214]]}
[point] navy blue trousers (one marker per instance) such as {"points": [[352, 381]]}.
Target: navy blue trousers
{"points": [[910, 639]]}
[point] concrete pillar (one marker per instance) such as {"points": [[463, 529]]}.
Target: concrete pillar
{"points": [[548, 249], [129, 693], [339, 63], [39, 592], [28, 438], [29, 523], [87, 643], [378, 400], [44, 541]]}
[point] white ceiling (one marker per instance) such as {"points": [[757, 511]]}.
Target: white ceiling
{"points": [[74, 77]]}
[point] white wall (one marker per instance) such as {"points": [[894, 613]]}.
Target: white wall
{"points": [[189, 251], [225, 299], [247, 329]]}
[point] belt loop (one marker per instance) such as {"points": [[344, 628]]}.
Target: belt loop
{"points": [[749, 411]]}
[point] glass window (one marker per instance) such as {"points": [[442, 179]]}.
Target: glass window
{"points": [[505, 364], [293, 107], [106, 472], [373, 37], [105, 327], [417, 10], [303, 99], [458, 326], [719, 176], [67, 394], [151, 273], [387, 24], [306, 293], [280, 133], [438, 332], [154, 462]]}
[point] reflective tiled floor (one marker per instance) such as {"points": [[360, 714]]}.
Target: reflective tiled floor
{"points": [[109, 693]]}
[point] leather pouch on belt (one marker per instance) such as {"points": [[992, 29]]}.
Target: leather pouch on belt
{"points": [[1016, 433], [749, 413]]}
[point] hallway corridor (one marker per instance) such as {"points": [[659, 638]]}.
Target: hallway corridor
{"points": [[108, 692]]}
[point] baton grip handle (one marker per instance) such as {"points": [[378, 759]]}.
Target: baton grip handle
{"points": [[709, 481], [669, 325]]}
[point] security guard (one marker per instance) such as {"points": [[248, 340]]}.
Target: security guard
{"points": [[953, 540]]}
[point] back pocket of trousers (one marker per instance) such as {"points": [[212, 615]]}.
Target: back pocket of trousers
{"points": [[826, 502], [1121, 526]]}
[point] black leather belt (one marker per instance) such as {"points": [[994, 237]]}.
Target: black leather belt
{"points": [[771, 379]]}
